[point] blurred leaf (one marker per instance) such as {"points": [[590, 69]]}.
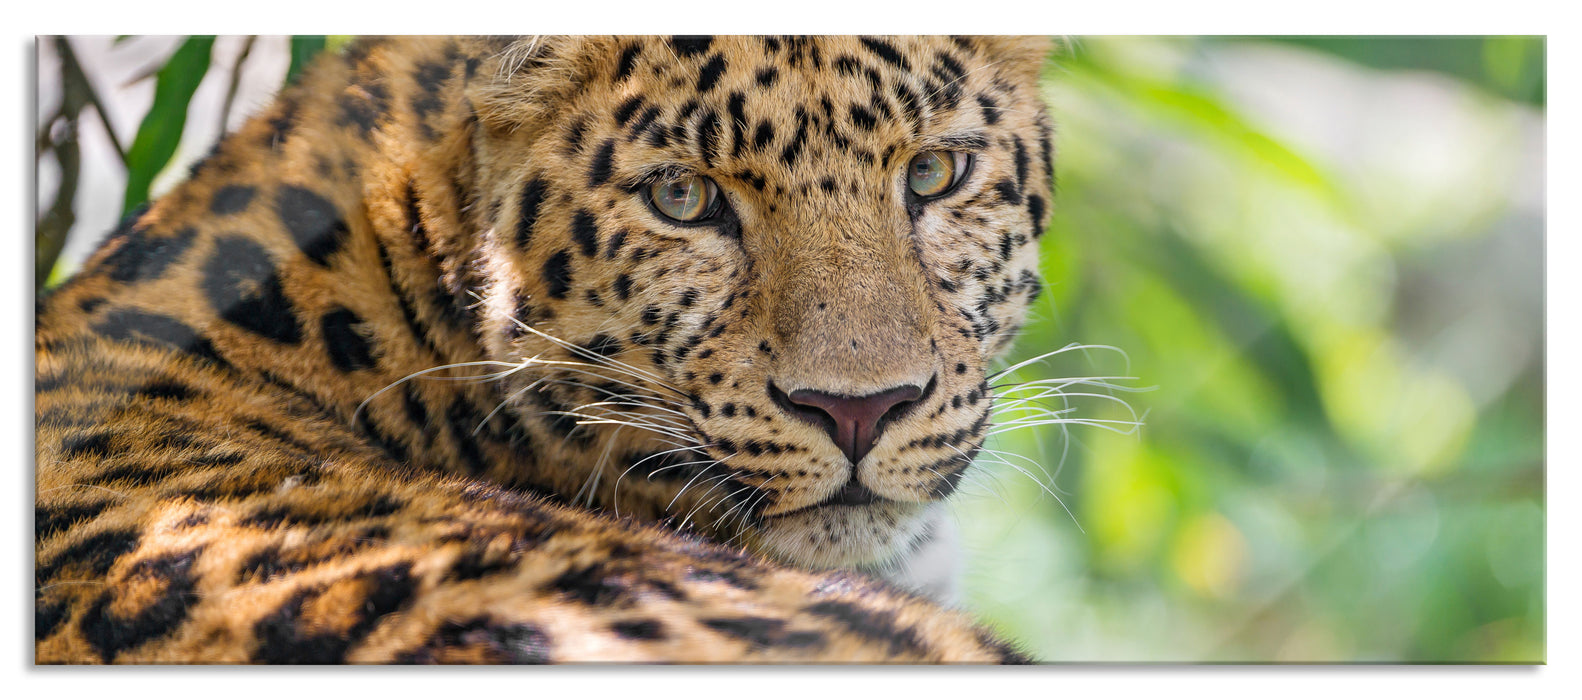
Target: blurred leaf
{"points": [[160, 132], [303, 51]]}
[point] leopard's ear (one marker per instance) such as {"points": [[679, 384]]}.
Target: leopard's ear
{"points": [[1020, 58], [520, 79]]}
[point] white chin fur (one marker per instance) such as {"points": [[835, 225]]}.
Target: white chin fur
{"points": [[909, 544]]}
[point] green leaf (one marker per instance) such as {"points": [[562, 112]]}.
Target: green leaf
{"points": [[161, 129], [303, 50]]}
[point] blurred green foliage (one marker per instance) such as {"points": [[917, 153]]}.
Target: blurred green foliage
{"points": [[1342, 457]]}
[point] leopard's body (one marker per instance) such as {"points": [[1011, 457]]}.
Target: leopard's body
{"points": [[246, 452]]}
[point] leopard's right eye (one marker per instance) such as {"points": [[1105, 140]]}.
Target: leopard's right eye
{"points": [[934, 174], [689, 199]]}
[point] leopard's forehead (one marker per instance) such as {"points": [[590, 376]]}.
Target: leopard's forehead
{"points": [[766, 108]]}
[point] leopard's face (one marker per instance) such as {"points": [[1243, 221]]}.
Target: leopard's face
{"points": [[755, 281]]}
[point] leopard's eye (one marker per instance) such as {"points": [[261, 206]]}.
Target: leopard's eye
{"points": [[687, 199], [936, 173]]}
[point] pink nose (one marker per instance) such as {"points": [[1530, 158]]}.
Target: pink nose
{"points": [[853, 422]]}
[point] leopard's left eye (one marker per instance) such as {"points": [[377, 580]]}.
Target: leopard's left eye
{"points": [[936, 173], [686, 200]]}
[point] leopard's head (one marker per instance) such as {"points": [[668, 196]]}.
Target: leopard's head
{"points": [[753, 283]]}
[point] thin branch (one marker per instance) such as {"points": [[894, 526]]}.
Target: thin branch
{"points": [[236, 81], [73, 77]]}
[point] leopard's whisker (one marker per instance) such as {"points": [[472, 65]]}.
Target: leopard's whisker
{"points": [[600, 359], [514, 368], [708, 503], [1052, 353], [688, 485], [634, 465], [1041, 487], [591, 484]]}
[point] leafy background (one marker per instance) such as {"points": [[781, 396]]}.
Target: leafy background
{"points": [[1311, 267]]}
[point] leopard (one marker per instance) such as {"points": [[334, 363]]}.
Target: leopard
{"points": [[532, 349]]}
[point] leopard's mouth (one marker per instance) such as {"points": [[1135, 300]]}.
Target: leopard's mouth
{"points": [[842, 532], [853, 494]]}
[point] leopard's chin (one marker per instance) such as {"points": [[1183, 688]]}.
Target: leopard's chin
{"points": [[869, 536]]}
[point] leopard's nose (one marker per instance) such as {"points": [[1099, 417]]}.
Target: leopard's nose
{"points": [[853, 422]]}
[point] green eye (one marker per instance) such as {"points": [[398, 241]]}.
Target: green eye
{"points": [[934, 173], [687, 199]]}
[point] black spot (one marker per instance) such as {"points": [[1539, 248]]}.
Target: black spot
{"points": [[141, 327], [645, 120], [1035, 210], [47, 617], [90, 304], [947, 483], [476, 564], [165, 389], [604, 345], [143, 257], [557, 274], [617, 240], [1021, 164], [863, 119], [574, 135], [623, 286], [766, 77], [628, 57], [762, 632], [527, 212], [1008, 192], [736, 108], [364, 106], [514, 643], [231, 199], [710, 75], [727, 576], [463, 421], [97, 445], [688, 46], [48, 520], [599, 171], [793, 149], [281, 124], [874, 625], [639, 629], [242, 285], [762, 136], [110, 634], [313, 222], [910, 101], [92, 556], [431, 76], [348, 347], [706, 136], [284, 638], [585, 231], [588, 586], [627, 108], [886, 53]]}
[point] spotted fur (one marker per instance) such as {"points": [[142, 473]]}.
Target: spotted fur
{"points": [[408, 371]]}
